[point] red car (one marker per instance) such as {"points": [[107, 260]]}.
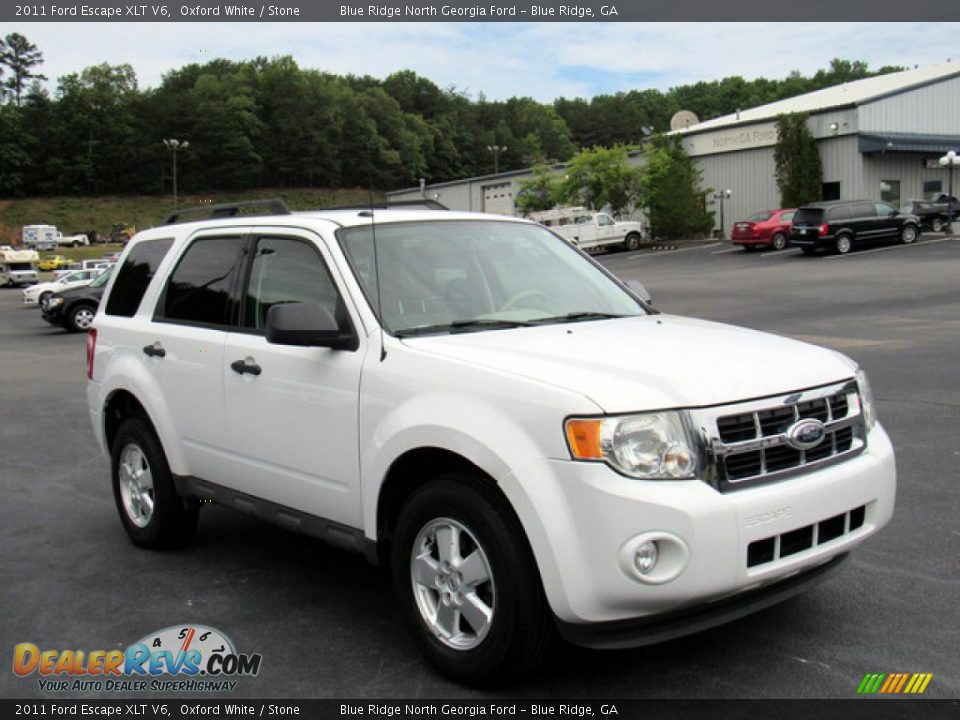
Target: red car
{"points": [[770, 228]]}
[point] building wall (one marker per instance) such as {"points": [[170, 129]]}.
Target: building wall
{"points": [[934, 110], [748, 174]]}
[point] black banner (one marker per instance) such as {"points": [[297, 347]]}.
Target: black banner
{"points": [[874, 709], [478, 11]]}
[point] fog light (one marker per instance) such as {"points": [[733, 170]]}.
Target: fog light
{"points": [[646, 557]]}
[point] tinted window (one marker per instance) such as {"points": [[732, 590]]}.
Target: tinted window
{"points": [[863, 210], [759, 217], [135, 275], [808, 216], [286, 271], [786, 217], [198, 291], [840, 212]]}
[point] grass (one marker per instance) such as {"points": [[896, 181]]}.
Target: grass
{"points": [[98, 214]]}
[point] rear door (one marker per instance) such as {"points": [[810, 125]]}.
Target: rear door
{"points": [[864, 222], [184, 346]]}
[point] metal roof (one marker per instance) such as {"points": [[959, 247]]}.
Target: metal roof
{"points": [[848, 94]]}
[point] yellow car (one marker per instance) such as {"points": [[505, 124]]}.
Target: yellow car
{"points": [[53, 262]]}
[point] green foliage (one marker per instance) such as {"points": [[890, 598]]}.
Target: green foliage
{"points": [[671, 194], [599, 178], [539, 192], [269, 122], [20, 56], [799, 171]]}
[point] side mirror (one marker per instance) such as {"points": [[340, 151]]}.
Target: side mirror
{"points": [[637, 288], [308, 325]]}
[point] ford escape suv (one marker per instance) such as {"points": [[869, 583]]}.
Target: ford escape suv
{"points": [[523, 444]]}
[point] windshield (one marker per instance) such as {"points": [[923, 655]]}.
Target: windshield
{"points": [[455, 276], [102, 278]]}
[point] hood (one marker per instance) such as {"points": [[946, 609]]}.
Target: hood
{"points": [[647, 363]]}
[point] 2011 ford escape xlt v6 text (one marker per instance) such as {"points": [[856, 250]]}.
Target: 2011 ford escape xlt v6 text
{"points": [[518, 438]]}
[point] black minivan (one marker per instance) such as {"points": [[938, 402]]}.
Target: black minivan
{"points": [[841, 225]]}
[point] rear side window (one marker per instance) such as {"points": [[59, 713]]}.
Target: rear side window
{"points": [[135, 275], [863, 210], [786, 217], [759, 217], [198, 291], [840, 212]]}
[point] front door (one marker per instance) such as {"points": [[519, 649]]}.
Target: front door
{"points": [[291, 412]]}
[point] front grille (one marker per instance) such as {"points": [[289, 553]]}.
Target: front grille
{"points": [[770, 549], [750, 442]]}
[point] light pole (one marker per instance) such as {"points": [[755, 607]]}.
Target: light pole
{"points": [[496, 150], [950, 161], [175, 145], [721, 196]]}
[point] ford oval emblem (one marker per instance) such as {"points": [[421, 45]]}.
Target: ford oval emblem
{"points": [[806, 434]]}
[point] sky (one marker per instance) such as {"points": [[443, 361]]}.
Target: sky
{"points": [[501, 60]]}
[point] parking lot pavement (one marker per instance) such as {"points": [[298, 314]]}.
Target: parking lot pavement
{"points": [[324, 621]]}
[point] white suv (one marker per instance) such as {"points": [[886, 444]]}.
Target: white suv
{"points": [[518, 437]]}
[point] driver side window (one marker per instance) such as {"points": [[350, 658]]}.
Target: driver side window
{"points": [[287, 270]]}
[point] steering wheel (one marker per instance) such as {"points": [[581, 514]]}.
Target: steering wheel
{"points": [[515, 300]]}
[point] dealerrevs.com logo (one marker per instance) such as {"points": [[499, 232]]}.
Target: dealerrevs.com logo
{"points": [[199, 658]]}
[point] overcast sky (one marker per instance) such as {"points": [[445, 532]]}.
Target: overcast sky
{"points": [[540, 60]]}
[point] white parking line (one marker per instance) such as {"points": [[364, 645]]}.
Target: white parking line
{"points": [[891, 247], [785, 251]]}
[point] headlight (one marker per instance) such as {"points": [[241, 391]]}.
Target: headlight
{"points": [[866, 400], [648, 446], [54, 302]]}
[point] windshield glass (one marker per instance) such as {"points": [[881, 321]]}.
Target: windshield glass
{"points": [[454, 276], [102, 278]]}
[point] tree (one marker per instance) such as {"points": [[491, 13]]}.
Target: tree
{"points": [[601, 177], [799, 171], [20, 56], [671, 192], [538, 192]]}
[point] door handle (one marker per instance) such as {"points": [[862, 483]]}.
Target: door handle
{"points": [[155, 350], [248, 365]]}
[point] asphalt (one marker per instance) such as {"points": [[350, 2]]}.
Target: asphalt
{"points": [[325, 622]]}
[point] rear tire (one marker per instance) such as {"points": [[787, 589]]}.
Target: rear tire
{"points": [[631, 242], [937, 224], [843, 244], [152, 512], [779, 241], [467, 582]]}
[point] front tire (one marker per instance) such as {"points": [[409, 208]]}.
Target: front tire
{"points": [[467, 582], [80, 318], [908, 234], [152, 512]]}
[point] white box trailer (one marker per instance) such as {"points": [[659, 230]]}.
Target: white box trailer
{"points": [[18, 267], [40, 237]]}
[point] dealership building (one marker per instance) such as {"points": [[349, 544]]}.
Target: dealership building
{"points": [[879, 138]]}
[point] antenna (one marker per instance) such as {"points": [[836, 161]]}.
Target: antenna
{"points": [[376, 272]]}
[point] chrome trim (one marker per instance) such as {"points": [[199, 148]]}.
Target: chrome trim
{"points": [[717, 452]]}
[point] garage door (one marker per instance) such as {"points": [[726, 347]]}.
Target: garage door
{"points": [[498, 199]]}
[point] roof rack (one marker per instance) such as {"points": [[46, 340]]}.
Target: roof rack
{"points": [[424, 204], [274, 206]]}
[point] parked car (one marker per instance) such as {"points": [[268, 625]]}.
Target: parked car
{"points": [[489, 414], [933, 216], [71, 267], [52, 262], [75, 309], [36, 295], [770, 228], [842, 225]]}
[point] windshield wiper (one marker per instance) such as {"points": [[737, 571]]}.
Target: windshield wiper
{"points": [[578, 316], [458, 326]]}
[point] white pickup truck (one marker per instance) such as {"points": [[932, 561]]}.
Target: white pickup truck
{"points": [[590, 230]]}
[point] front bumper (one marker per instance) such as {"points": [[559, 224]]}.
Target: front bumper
{"points": [[53, 314], [584, 521]]}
